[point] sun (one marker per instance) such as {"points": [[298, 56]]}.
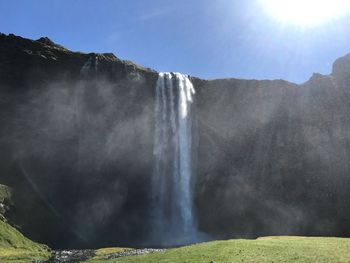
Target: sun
{"points": [[306, 13]]}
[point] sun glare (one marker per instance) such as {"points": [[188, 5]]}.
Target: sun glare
{"points": [[306, 13]]}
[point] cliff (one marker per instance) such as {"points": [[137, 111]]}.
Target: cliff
{"points": [[76, 142]]}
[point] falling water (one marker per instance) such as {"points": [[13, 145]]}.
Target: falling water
{"points": [[173, 220]]}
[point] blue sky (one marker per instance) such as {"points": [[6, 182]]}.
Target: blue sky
{"points": [[203, 38]]}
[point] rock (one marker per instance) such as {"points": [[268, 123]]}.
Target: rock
{"points": [[71, 256], [271, 156], [5, 201], [46, 41], [341, 68]]}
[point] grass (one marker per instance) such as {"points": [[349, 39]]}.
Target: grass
{"points": [[102, 253], [14, 247], [267, 249]]}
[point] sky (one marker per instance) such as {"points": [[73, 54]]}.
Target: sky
{"points": [[203, 38]]}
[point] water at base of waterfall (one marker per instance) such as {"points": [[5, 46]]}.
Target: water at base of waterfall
{"points": [[173, 222]]}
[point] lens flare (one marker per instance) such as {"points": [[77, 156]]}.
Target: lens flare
{"points": [[306, 13]]}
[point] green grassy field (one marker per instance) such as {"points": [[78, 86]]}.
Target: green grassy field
{"points": [[269, 249], [14, 247]]}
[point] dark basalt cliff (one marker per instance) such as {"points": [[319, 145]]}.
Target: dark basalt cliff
{"points": [[76, 142]]}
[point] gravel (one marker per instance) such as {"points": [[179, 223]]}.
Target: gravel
{"points": [[75, 256]]}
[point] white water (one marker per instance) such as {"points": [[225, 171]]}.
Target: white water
{"points": [[90, 65], [173, 219]]}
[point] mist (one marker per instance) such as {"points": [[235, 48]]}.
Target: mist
{"points": [[77, 146]]}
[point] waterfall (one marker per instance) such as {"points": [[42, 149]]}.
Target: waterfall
{"points": [[173, 221], [91, 65]]}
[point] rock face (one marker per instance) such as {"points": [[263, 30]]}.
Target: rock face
{"points": [[5, 201], [76, 142], [273, 157]]}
